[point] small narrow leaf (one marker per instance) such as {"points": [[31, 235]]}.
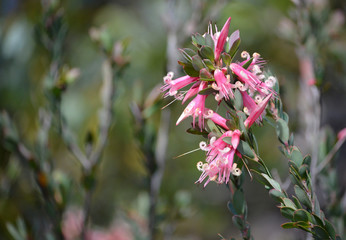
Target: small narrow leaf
{"points": [[302, 215], [276, 194], [238, 221], [239, 202], [296, 156], [248, 63], [209, 64], [209, 41], [207, 91], [289, 203]]}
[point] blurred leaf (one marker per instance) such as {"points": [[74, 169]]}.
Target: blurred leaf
{"points": [[282, 130], [189, 70], [320, 232], [238, 221], [237, 101], [207, 91], [239, 202], [209, 41], [213, 128], [296, 156], [198, 39], [287, 212]]}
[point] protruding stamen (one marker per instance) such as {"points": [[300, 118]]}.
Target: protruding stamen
{"points": [[246, 111], [200, 166], [256, 69], [245, 54], [170, 75], [258, 99], [203, 146], [225, 150]]}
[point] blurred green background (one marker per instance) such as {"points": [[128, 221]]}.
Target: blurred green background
{"points": [[122, 179]]}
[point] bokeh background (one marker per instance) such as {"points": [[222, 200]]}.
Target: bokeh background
{"points": [[186, 211]]}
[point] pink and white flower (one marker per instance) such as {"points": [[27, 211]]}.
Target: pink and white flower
{"points": [[219, 162]]}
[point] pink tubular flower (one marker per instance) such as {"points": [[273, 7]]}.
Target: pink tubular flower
{"points": [[256, 113], [191, 92], [216, 118], [219, 162], [250, 78], [173, 86], [196, 108], [223, 84], [342, 134], [221, 39]]}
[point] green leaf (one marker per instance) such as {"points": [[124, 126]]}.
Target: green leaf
{"points": [[245, 149], [189, 70], [209, 64], [307, 160], [282, 130], [231, 208], [196, 131], [213, 128], [238, 221], [277, 195], [207, 91], [209, 41], [237, 101], [198, 39], [296, 156], [187, 53], [287, 212], [272, 182], [207, 52], [302, 196], [247, 64], [288, 225], [330, 229], [296, 202], [239, 202], [227, 140], [233, 43], [320, 232], [205, 75], [302, 215], [197, 63], [289, 203], [226, 58], [303, 170]]}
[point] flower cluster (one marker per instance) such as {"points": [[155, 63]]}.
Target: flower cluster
{"points": [[242, 85]]}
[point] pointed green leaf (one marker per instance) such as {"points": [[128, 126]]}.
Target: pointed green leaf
{"points": [[307, 160], [189, 70], [227, 140], [196, 131], [248, 63], [213, 128], [207, 91]]}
